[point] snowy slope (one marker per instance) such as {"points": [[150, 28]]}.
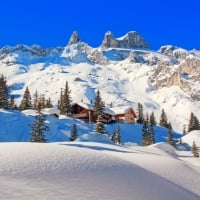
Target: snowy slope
{"points": [[192, 136], [87, 171], [16, 127]]}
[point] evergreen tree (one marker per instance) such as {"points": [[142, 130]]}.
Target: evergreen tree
{"points": [[184, 130], [98, 105], [26, 102], [170, 135], [99, 126], [39, 127], [163, 119], [140, 118], [73, 134], [145, 134], [151, 135], [12, 104], [3, 93], [35, 100], [152, 120], [195, 150], [148, 134], [65, 101], [193, 123], [48, 103], [116, 137]]}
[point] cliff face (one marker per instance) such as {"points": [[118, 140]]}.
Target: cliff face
{"points": [[130, 40]]}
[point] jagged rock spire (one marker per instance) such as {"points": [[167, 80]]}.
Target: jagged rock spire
{"points": [[74, 38], [131, 40]]}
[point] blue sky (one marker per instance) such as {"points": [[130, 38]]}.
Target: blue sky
{"points": [[50, 23]]}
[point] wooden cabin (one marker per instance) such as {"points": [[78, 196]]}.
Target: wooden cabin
{"points": [[83, 111], [86, 112], [124, 113]]}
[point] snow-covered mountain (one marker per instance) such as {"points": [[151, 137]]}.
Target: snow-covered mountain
{"points": [[124, 69]]}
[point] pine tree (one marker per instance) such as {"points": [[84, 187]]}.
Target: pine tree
{"points": [[163, 119], [73, 134], [170, 135], [152, 120], [99, 126], [145, 136], [148, 134], [35, 100], [12, 104], [98, 105], [3, 93], [195, 150], [65, 101], [116, 137], [151, 135], [48, 103], [184, 130], [26, 102], [39, 127], [140, 118], [193, 123]]}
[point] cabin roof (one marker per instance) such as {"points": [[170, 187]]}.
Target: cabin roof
{"points": [[84, 105], [121, 109]]}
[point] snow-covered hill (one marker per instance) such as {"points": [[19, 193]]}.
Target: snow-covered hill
{"points": [[88, 170]]}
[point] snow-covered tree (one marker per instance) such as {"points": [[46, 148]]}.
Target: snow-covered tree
{"points": [[98, 105], [99, 126], [116, 136], [195, 150], [39, 127], [73, 134], [3, 93], [26, 102]]}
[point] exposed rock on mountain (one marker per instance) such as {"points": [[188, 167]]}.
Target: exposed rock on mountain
{"points": [[74, 39], [130, 40]]}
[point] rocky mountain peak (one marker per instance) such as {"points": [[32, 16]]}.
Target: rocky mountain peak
{"points": [[130, 40], [74, 39]]}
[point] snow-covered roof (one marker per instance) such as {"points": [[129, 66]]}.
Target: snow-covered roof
{"points": [[121, 109], [51, 111], [109, 111], [84, 105]]}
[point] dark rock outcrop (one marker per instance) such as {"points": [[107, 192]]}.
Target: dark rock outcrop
{"points": [[74, 39], [129, 41]]}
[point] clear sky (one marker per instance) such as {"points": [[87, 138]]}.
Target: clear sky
{"points": [[51, 22]]}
